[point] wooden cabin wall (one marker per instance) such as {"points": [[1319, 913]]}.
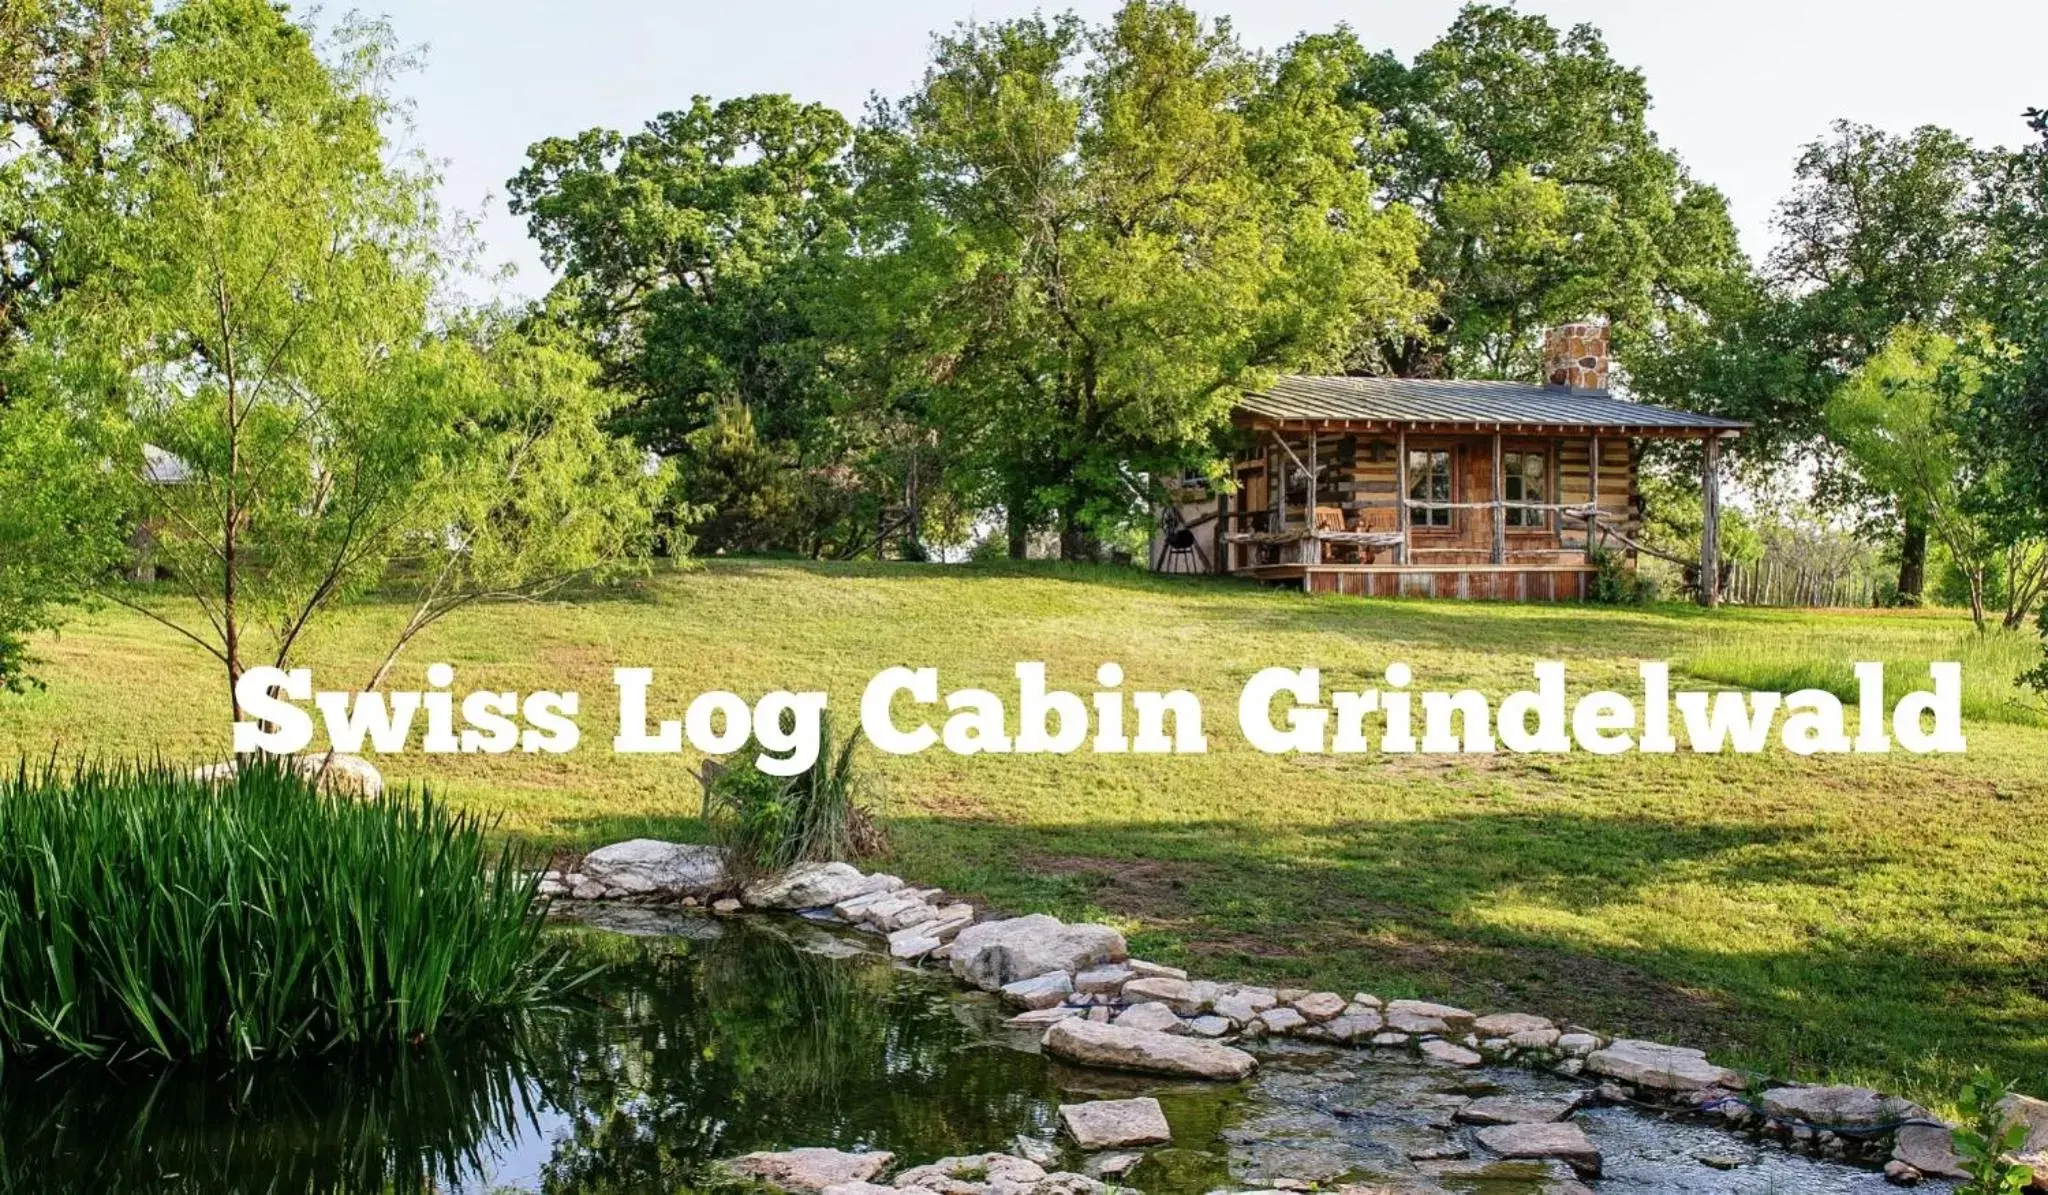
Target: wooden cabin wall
{"points": [[1620, 500]]}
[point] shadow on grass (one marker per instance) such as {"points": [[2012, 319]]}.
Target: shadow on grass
{"points": [[1564, 915]]}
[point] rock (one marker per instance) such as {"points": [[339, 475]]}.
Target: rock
{"points": [[1851, 1107], [1369, 1000], [1145, 970], [1723, 1161], [1113, 1124], [1901, 1174], [1121, 1048], [727, 905], [1928, 1149], [1390, 1038], [911, 944], [891, 916], [549, 886], [950, 920], [1565, 1141], [1151, 1015], [859, 1189], [2033, 1113], [337, 772], [1321, 1006], [812, 885], [1454, 1020], [1578, 1045], [1033, 1149], [1282, 1020], [1534, 1039], [1436, 1049], [806, 1170], [992, 1173], [1039, 1018], [1189, 998], [994, 953], [647, 866], [1043, 991], [1098, 981], [1516, 1109], [1113, 1165], [1658, 1067], [1236, 1007], [1066, 1182], [1210, 1026], [1354, 1025], [587, 890], [1507, 1024]]}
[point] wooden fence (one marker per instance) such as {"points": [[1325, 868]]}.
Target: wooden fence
{"points": [[1779, 583]]}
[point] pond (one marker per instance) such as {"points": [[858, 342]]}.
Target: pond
{"points": [[707, 1038]]}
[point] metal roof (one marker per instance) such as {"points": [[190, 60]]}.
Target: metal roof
{"points": [[1304, 399]]}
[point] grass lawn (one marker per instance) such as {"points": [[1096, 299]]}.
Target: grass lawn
{"points": [[1872, 919]]}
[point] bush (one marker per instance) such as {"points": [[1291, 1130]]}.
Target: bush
{"points": [[1986, 1138], [1615, 583], [145, 912], [769, 823]]}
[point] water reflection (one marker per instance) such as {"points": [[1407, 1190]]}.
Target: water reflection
{"points": [[703, 1039]]}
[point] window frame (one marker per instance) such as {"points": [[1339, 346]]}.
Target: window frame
{"points": [[1452, 454], [1543, 522]]}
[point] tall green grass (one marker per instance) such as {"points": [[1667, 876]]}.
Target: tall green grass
{"points": [[1789, 659], [143, 912]]}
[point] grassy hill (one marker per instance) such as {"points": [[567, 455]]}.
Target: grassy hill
{"points": [[1878, 919]]}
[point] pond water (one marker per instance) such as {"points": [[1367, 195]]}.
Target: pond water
{"points": [[704, 1038]]}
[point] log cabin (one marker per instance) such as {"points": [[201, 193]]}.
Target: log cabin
{"points": [[1460, 488]]}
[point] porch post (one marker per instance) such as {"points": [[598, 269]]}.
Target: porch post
{"points": [[1401, 492], [1592, 499], [1710, 522], [1500, 510], [1312, 548]]}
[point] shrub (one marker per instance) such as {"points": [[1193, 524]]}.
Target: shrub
{"points": [[768, 823], [145, 912], [1615, 583], [1985, 1139]]}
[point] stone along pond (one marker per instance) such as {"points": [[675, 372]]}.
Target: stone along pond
{"points": [[704, 1038]]}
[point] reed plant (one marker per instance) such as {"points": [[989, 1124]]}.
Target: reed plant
{"points": [[144, 912], [822, 814]]}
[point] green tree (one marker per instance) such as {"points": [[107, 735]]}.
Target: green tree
{"points": [[1900, 419], [261, 324], [1100, 234], [693, 251], [1546, 197]]}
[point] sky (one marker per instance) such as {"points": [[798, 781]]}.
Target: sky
{"points": [[1738, 85]]}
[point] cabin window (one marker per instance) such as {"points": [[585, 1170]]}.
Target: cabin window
{"points": [[1525, 477], [1429, 480]]}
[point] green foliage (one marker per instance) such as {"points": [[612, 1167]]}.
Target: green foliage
{"points": [[1986, 1138], [738, 483], [769, 823], [58, 526], [2036, 678], [1616, 583], [1546, 197], [1090, 237], [252, 353], [146, 912]]}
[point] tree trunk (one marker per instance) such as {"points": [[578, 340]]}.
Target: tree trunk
{"points": [[1913, 562], [1020, 528]]}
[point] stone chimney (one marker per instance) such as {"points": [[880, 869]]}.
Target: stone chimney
{"points": [[1575, 357]]}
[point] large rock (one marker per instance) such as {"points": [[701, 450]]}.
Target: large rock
{"points": [[994, 954], [1043, 991], [812, 885], [1150, 1015], [1507, 1024], [808, 1170], [1929, 1149], [337, 772], [1092, 1043], [1449, 1053], [992, 1173], [1421, 1016], [2033, 1113], [649, 867], [1659, 1067], [1851, 1107], [1111, 1124], [1564, 1141], [1517, 1109]]}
